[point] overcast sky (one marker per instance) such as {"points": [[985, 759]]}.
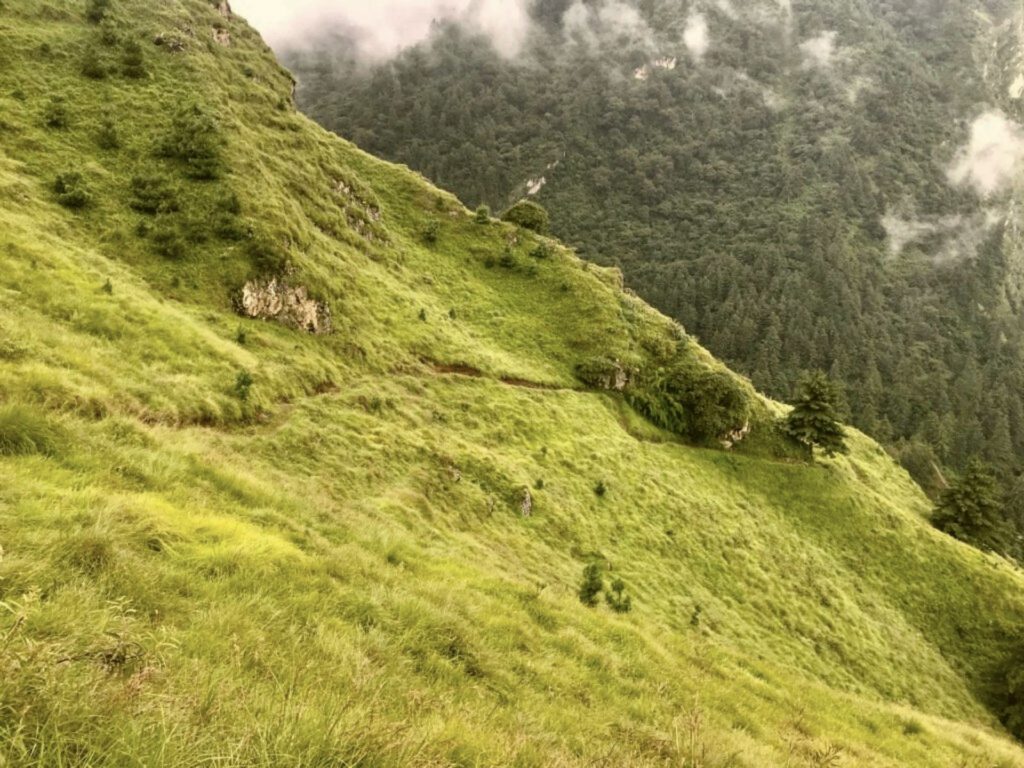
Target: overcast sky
{"points": [[385, 26]]}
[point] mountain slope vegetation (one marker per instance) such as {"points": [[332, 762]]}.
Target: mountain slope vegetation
{"points": [[302, 464], [800, 184]]}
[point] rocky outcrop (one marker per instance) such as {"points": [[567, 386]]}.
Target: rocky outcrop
{"points": [[289, 305], [526, 505], [736, 437], [602, 373], [224, 9], [221, 36]]}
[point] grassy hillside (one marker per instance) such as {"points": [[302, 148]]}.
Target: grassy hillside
{"points": [[227, 541]]}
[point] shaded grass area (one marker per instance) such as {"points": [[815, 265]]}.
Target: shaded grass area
{"points": [[331, 567]]}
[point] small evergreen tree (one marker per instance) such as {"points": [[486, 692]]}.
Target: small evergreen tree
{"points": [[243, 385], [1013, 709], [814, 420], [970, 510], [617, 598], [483, 215], [593, 584], [528, 215]]}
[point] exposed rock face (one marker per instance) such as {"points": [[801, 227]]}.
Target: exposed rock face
{"points": [[224, 8], [736, 437], [526, 507], [292, 306], [605, 374], [221, 37]]}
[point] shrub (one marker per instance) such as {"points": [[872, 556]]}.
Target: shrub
{"points": [[92, 65], [152, 194], [688, 398], [56, 114], [592, 584], [600, 489], [169, 242], [109, 35], [617, 598], [718, 405], [96, 10], [230, 203], [194, 139], [267, 256], [24, 432], [243, 385], [108, 137], [483, 215], [431, 232], [528, 215], [133, 61], [507, 259], [72, 191], [228, 227], [542, 251], [1013, 709]]}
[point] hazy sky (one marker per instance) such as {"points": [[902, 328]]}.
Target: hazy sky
{"points": [[386, 26]]}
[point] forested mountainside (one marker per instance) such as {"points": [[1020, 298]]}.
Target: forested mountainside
{"points": [[819, 184], [302, 463]]}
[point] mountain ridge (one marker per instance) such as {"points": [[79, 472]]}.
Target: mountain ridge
{"points": [[794, 211]]}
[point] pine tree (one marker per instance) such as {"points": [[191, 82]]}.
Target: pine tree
{"points": [[814, 420], [970, 510]]}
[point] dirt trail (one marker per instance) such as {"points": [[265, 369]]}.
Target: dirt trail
{"points": [[462, 369]]}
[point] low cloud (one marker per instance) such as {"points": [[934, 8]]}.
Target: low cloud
{"points": [[385, 27], [941, 238], [726, 7], [696, 36], [819, 51], [591, 23], [992, 156]]}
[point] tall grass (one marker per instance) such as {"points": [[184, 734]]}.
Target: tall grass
{"points": [[25, 431]]}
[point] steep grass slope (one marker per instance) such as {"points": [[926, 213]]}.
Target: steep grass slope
{"points": [[231, 542]]}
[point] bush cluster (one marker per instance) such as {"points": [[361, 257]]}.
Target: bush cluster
{"points": [[133, 61], [55, 114], [153, 194], [528, 215], [72, 190], [593, 585], [194, 139], [692, 400]]}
